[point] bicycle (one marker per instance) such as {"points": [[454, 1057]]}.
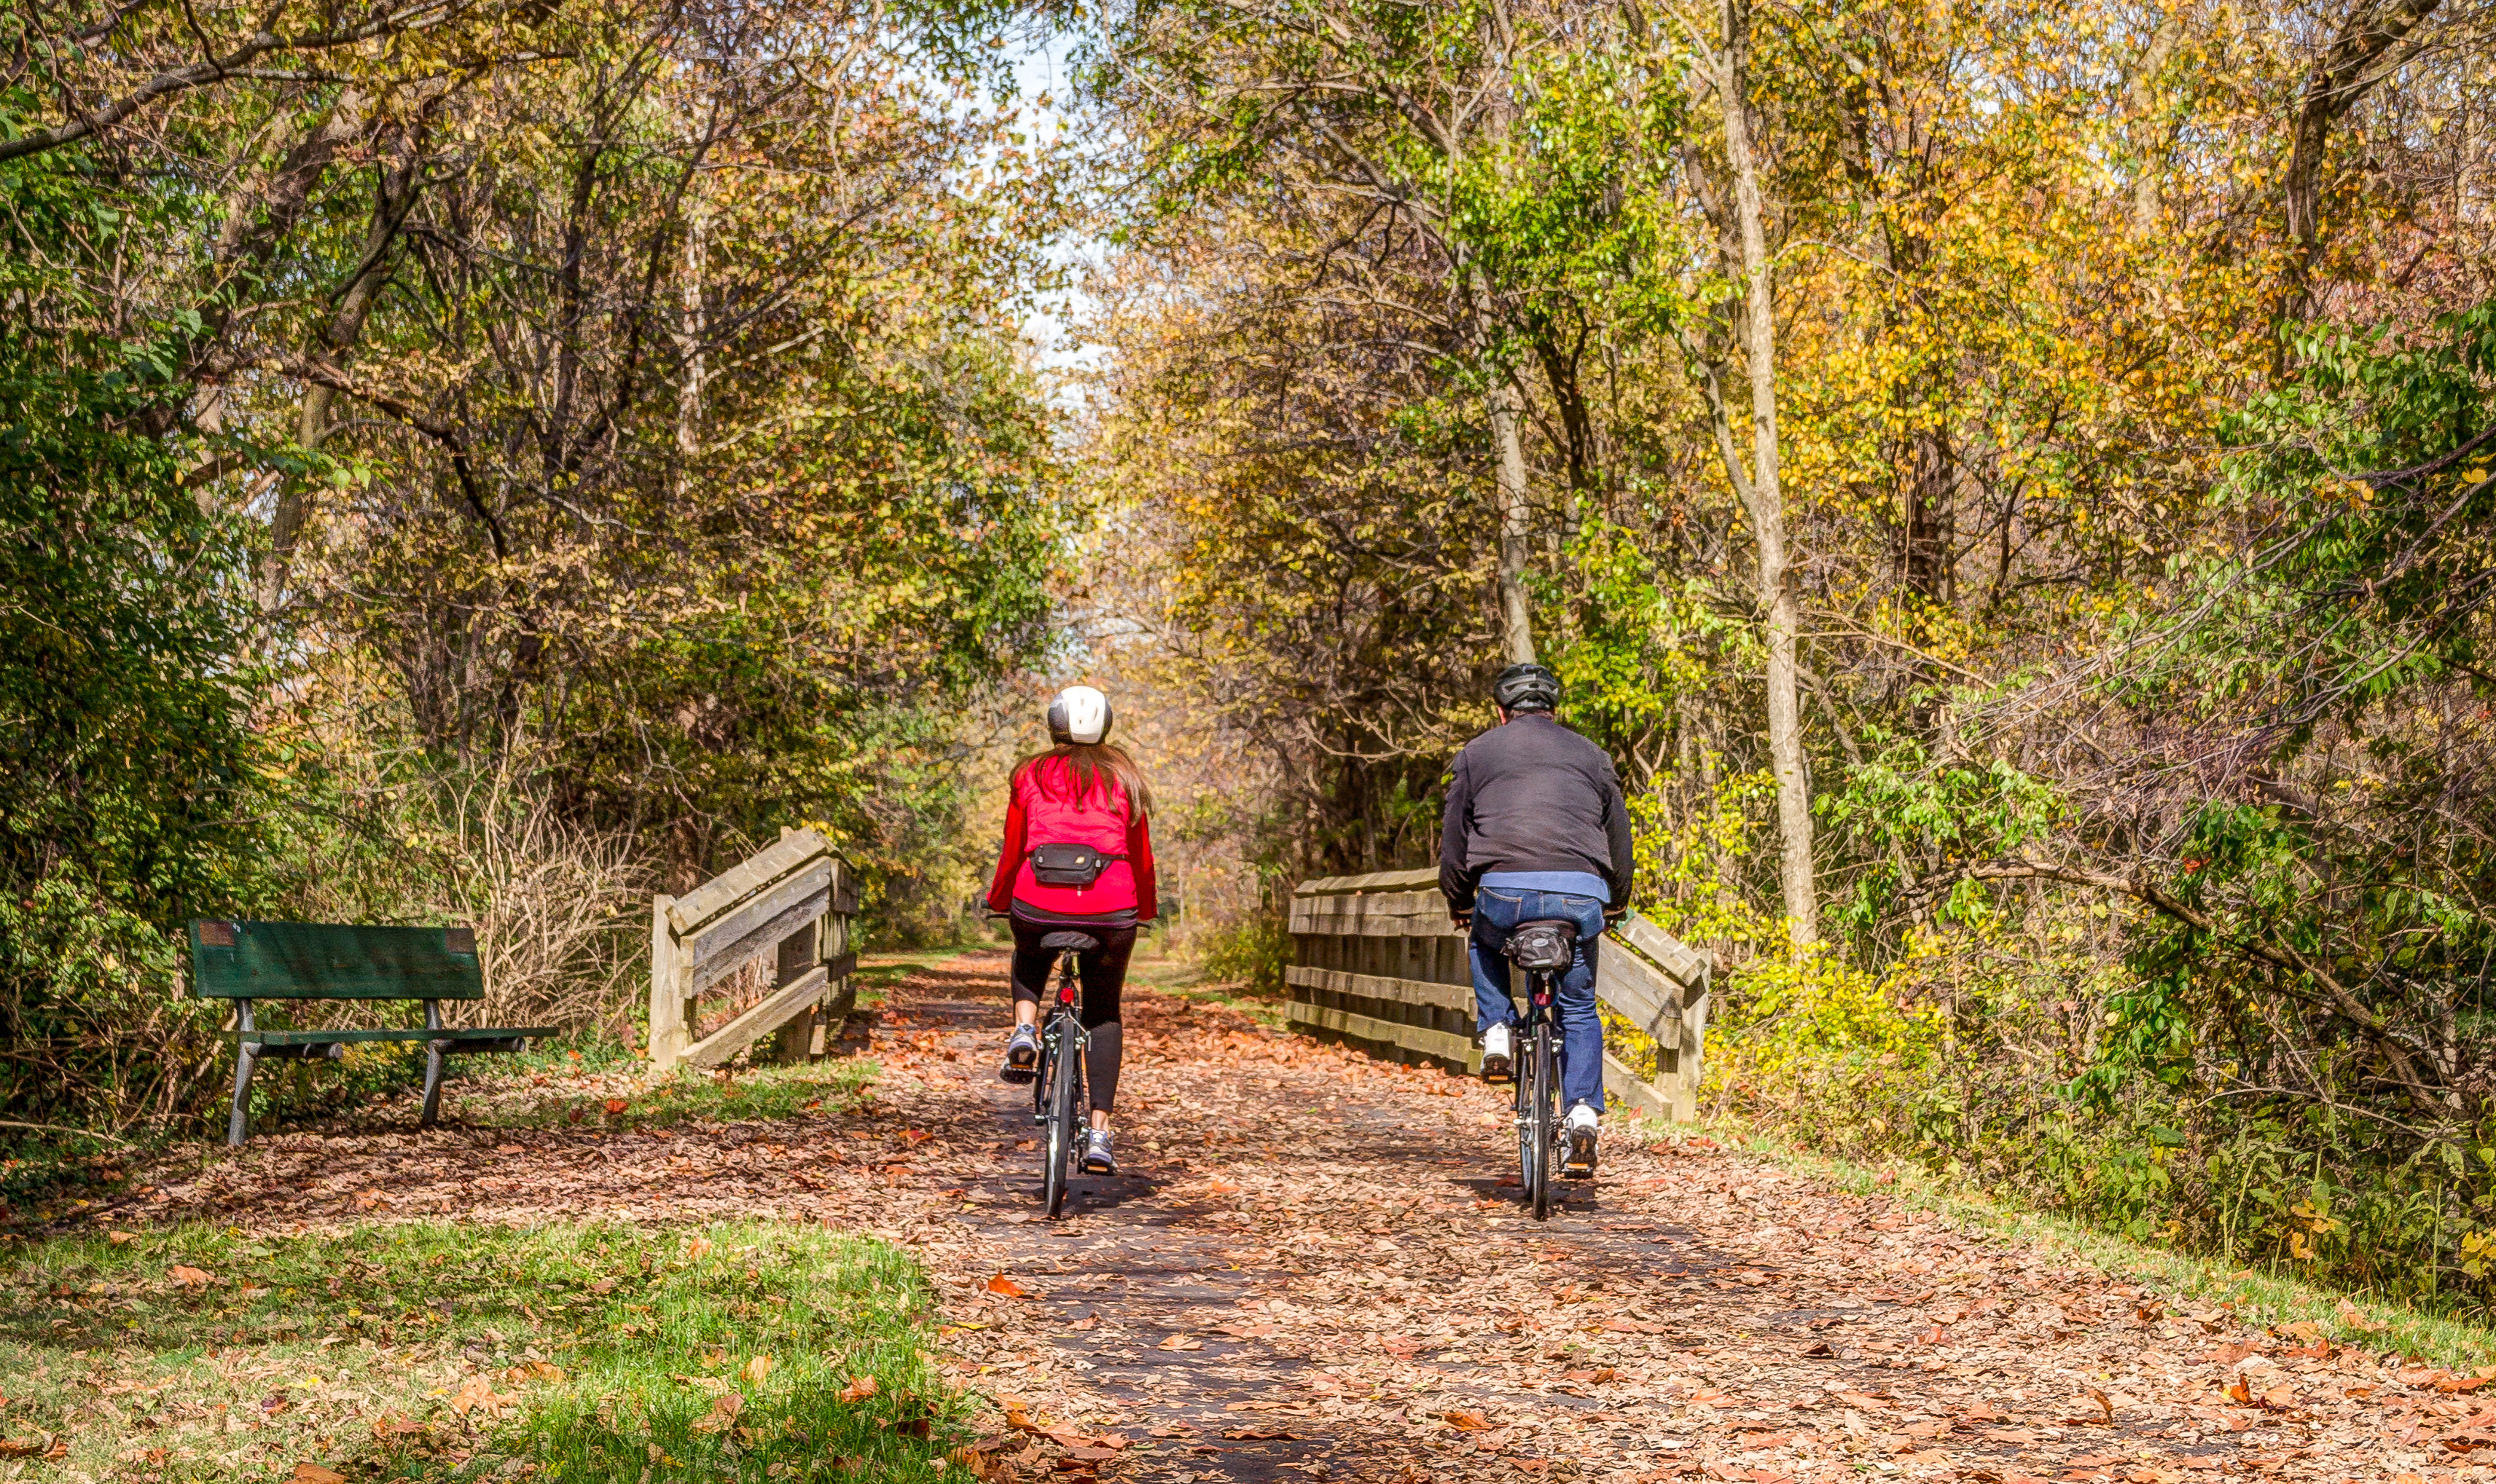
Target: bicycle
{"points": [[1057, 1081], [1543, 948]]}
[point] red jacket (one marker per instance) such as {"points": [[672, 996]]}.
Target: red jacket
{"points": [[1038, 815]]}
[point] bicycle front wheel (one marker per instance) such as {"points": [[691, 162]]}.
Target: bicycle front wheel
{"points": [[1542, 1124]]}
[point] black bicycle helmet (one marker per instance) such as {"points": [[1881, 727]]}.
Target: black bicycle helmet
{"points": [[1526, 687]]}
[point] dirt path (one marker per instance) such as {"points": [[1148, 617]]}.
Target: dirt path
{"points": [[1313, 1273]]}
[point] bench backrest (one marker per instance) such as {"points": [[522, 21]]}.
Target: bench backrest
{"points": [[332, 961]]}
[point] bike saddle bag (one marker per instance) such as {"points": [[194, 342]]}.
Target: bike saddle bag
{"points": [[1069, 865], [1548, 944], [1059, 942]]}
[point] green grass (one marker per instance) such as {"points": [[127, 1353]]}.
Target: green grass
{"points": [[579, 1353], [1182, 979], [551, 1101], [2266, 1299]]}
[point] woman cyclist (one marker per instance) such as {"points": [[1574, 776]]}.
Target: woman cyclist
{"points": [[1083, 791]]}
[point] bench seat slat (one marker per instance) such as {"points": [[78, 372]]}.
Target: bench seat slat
{"points": [[352, 1038]]}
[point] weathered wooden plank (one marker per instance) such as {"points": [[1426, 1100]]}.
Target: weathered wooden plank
{"points": [[1371, 986], [1443, 1044], [1683, 964], [726, 891], [1640, 992], [757, 926], [1376, 880], [1639, 1095], [768, 1015]]}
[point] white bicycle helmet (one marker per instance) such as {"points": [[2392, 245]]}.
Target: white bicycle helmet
{"points": [[1078, 714]]}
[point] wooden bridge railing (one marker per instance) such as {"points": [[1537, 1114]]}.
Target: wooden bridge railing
{"points": [[793, 902], [1374, 959]]}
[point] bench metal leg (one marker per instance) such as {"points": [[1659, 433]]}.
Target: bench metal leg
{"points": [[238, 1121], [436, 1057]]}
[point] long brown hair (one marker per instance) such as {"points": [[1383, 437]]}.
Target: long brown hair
{"points": [[1086, 762]]}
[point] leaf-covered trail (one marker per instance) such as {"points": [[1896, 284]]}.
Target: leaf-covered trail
{"points": [[1312, 1272]]}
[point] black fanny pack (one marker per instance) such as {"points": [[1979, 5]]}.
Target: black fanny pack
{"points": [[1069, 865]]}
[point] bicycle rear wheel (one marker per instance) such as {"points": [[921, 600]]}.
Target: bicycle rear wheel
{"points": [[1542, 1126], [1065, 1094]]}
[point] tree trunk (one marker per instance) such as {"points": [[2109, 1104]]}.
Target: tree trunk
{"points": [[1515, 616], [1768, 496], [2140, 102], [392, 199], [2339, 79]]}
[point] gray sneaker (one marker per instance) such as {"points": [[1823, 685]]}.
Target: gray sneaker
{"points": [[1097, 1159], [1022, 1055]]}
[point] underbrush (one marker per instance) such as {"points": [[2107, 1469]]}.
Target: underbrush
{"points": [[2038, 1088], [754, 1352]]}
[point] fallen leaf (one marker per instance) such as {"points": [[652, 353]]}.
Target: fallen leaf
{"points": [[1465, 1422], [389, 1425], [1088, 1321], [1284, 1434], [759, 1370], [1180, 1343], [615, 1107], [479, 1394], [723, 1408], [119, 1237], [16, 1447], [698, 1249], [1001, 1283], [2105, 1404], [1019, 1417], [190, 1278], [859, 1388], [2355, 1318], [316, 1473]]}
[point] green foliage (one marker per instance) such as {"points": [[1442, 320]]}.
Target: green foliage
{"points": [[127, 776]]}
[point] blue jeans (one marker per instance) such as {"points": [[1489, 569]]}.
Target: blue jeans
{"points": [[1496, 914]]}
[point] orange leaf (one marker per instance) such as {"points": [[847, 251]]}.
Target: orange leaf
{"points": [[190, 1278], [315, 1473], [723, 1408], [1465, 1422], [859, 1388], [698, 1249], [1180, 1343], [615, 1107], [1001, 1283]]}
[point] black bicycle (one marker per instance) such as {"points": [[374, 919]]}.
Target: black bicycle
{"points": [[1543, 948], [1057, 1090]]}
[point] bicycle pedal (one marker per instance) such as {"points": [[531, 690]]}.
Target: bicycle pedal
{"points": [[1020, 1076], [1584, 1171]]}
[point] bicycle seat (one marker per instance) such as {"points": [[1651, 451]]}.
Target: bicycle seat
{"points": [[1059, 942], [1546, 944]]}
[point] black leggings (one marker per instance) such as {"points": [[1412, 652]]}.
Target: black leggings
{"points": [[1102, 974]]}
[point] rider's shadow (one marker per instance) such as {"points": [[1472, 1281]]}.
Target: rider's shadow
{"points": [[1511, 1190]]}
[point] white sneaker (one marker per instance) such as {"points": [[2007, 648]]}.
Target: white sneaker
{"points": [[1578, 1132], [1496, 1059]]}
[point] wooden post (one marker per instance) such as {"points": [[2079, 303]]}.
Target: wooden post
{"points": [[667, 1030]]}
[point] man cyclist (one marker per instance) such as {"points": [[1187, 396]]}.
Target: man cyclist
{"points": [[1536, 828]]}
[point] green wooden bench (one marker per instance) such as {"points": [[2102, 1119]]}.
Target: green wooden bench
{"points": [[247, 961]]}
